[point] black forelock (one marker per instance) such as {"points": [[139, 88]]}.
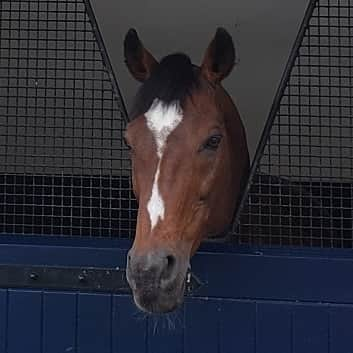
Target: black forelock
{"points": [[172, 80]]}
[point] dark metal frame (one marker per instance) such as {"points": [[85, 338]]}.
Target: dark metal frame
{"points": [[52, 198], [89, 279], [314, 206], [276, 102], [106, 59]]}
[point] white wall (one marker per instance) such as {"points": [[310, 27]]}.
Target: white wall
{"points": [[263, 31]]}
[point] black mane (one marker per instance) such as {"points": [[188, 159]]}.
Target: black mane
{"points": [[173, 79]]}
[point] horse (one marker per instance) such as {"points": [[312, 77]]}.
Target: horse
{"points": [[189, 162]]}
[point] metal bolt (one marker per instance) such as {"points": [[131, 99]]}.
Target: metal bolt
{"points": [[188, 278], [82, 278], [33, 276]]}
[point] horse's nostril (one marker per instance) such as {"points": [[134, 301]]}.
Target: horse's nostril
{"points": [[170, 265], [151, 267], [170, 261]]}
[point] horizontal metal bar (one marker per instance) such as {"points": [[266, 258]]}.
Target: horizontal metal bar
{"points": [[73, 278]]}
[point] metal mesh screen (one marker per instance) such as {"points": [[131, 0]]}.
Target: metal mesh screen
{"points": [[63, 166], [301, 186]]}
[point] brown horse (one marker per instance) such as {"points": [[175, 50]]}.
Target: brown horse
{"points": [[189, 161]]}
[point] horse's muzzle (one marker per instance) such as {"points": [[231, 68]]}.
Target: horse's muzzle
{"points": [[157, 280]]}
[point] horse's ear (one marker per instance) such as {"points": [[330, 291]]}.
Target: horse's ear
{"points": [[219, 58], [139, 61]]}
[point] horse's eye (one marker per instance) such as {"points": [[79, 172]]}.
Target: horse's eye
{"points": [[212, 142]]}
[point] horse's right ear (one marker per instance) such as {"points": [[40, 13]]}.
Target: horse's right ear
{"points": [[139, 61]]}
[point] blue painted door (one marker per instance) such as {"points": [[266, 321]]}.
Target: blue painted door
{"points": [[251, 300]]}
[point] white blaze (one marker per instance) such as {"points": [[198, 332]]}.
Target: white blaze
{"points": [[155, 205], [161, 119]]}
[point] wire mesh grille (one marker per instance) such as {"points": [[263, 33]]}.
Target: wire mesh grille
{"points": [[302, 188], [64, 169]]}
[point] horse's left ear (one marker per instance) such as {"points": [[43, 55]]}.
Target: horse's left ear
{"points": [[139, 60], [219, 58]]}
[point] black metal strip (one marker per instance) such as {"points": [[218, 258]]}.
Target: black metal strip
{"points": [[74, 278], [105, 58], [274, 108]]}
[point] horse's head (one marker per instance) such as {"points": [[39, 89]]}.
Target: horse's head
{"points": [[189, 156]]}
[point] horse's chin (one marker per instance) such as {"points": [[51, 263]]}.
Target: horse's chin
{"points": [[158, 301]]}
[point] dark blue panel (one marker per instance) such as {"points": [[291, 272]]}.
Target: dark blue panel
{"points": [[62, 256], [237, 331], [202, 326], [165, 333], [94, 323], [208, 324], [341, 329], [310, 329], [129, 327], [273, 328], [59, 322], [24, 321], [318, 280], [3, 320]]}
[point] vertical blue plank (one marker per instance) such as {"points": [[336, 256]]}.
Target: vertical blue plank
{"points": [[310, 329], [94, 323], [201, 326], [341, 329], [3, 320], [165, 332], [24, 321], [129, 326], [273, 328], [237, 332], [59, 322]]}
